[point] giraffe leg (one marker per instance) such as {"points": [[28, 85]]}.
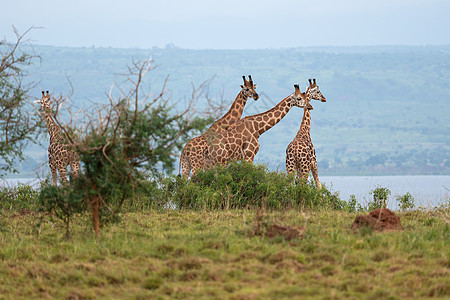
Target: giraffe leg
{"points": [[63, 174], [185, 166], [54, 174], [75, 167], [208, 161], [197, 163], [290, 162], [196, 166], [302, 170], [302, 177], [315, 173]]}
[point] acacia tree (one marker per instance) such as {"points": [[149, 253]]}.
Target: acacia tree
{"points": [[134, 135], [17, 124]]}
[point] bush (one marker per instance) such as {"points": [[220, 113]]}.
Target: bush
{"points": [[406, 201], [352, 205], [18, 198], [148, 194], [63, 202], [380, 198], [245, 185]]}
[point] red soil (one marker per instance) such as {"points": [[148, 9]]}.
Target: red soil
{"points": [[380, 219]]}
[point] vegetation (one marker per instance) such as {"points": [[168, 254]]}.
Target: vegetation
{"points": [[213, 237], [167, 253], [380, 198], [118, 143], [243, 184], [18, 198], [406, 201]]}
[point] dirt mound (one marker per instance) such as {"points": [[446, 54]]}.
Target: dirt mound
{"points": [[380, 219], [265, 227], [288, 232]]}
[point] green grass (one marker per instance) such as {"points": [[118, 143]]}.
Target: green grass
{"points": [[161, 254]]}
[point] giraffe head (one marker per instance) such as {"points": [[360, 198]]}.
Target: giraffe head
{"points": [[313, 91], [299, 99], [248, 89], [45, 102]]}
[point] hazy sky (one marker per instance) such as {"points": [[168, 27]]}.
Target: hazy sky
{"points": [[232, 24]]}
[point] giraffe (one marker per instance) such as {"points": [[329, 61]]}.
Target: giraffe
{"points": [[59, 154], [241, 140], [193, 154], [300, 153]]}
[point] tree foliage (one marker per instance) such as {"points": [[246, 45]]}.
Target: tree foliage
{"points": [[17, 124]]}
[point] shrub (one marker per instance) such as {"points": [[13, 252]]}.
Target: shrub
{"points": [[244, 185], [406, 201], [19, 197], [148, 193], [352, 205], [63, 202], [380, 198]]}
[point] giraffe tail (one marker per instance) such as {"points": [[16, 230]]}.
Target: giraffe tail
{"points": [[181, 159]]}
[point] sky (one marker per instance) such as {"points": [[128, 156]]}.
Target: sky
{"points": [[231, 24]]}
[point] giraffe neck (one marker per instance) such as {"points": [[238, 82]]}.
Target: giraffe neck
{"points": [[53, 129], [305, 127], [266, 120], [233, 115]]}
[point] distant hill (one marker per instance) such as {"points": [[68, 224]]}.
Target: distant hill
{"points": [[387, 109]]}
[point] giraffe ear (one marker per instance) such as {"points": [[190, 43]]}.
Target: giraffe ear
{"points": [[255, 85], [242, 86]]}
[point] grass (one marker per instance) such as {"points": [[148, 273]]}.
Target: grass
{"points": [[161, 254]]}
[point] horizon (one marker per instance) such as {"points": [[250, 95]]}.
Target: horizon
{"points": [[173, 46]]}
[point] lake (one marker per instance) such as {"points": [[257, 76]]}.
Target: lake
{"points": [[428, 191]]}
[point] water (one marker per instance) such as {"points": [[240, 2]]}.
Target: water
{"points": [[34, 182], [427, 191]]}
